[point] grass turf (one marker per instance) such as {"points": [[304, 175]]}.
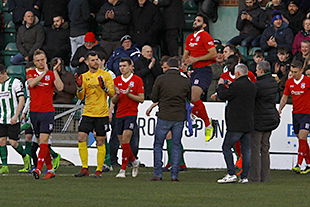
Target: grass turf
{"points": [[196, 188]]}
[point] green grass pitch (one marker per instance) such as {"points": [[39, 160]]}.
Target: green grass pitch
{"points": [[196, 188]]}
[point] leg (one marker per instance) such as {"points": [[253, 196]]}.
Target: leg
{"points": [[177, 130], [4, 156], [114, 143], [101, 152], [127, 155], [82, 145], [169, 148], [134, 142], [265, 157], [247, 41], [199, 108], [246, 153], [255, 144]]}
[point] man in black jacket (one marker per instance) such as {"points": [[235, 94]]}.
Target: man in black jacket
{"points": [[266, 119], [239, 116], [171, 97]]}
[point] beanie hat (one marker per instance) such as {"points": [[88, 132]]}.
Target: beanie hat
{"points": [[126, 37], [90, 37]]}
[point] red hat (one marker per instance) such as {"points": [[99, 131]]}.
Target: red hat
{"points": [[90, 37]]}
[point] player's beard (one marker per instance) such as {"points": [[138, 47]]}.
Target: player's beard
{"points": [[196, 29]]}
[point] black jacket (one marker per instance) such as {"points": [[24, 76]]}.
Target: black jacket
{"points": [[250, 27], [57, 43], [52, 8], [19, 7], [173, 13], [114, 30], [239, 112], [81, 52], [148, 75], [171, 91], [295, 20], [266, 116], [79, 15], [145, 24]]}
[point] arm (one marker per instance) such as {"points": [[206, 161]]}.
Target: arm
{"points": [[288, 40], [32, 82], [85, 11], [58, 82], [115, 98], [123, 16], [283, 102], [149, 110], [141, 69], [210, 55], [40, 36], [70, 86], [101, 15], [240, 22], [19, 44], [226, 93], [21, 103], [138, 98], [155, 91], [263, 40], [76, 58], [110, 86]]}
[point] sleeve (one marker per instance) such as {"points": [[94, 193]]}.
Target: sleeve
{"points": [[226, 93], [240, 22], [263, 40], [187, 43], [29, 74], [140, 86], [19, 44], [81, 93], [75, 60], [110, 84], [208, 41], [155, 91], [100, 17], [27, 104], [40, 37], [251, 77], [18, 88], [287, 91], [289, 37], [122, 16]]}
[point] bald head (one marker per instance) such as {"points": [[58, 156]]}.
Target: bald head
{"points": [[29, 18], [241, 70], [147, 52]]}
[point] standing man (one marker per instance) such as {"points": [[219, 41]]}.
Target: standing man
{"points": [[94, 86], [171, 97], [299, 88], [266, 119], [41, 82], [11, 105], [200, 52], [239, 116], [129, 92]]}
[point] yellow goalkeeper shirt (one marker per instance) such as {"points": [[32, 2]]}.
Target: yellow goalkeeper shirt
{"points": [[96, 104]]}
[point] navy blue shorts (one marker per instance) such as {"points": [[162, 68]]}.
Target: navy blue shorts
{"points": [[301, 121], [42, 122], [202, 77], [125, 123], [10, 131], [98, 124]]}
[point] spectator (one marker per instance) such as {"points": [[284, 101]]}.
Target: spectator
{"points": [[304, 51], [258, 57], [231, 50], [57, 41], [172, 24], [127, 49], [30, 37], [90, 44], [301, 35], [148, 68], [266, 119], [79, 14], [307, 71], [51, 8], [19, 8], [114, 17], [241, 97], [67, 94], [247, 24], [275, 36], [293, 16], [145, 23]]}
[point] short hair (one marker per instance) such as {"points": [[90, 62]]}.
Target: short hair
{"points": [[90, 53], [305, 41], [205, 20], [234, 49], [2, 68], [283, 50], [173, 62], [296, 64], [38, 52], [242, 68], [164, 59], [264, 65], [126, 59], [259, 53], [233, 59]]}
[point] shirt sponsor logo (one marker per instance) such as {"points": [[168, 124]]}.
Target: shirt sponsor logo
{"points": [[119, 84], [297, 93], [197, 39], [193, 44], [291, 86], [131, 84]]}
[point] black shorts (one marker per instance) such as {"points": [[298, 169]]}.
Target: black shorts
{"points": [[202, 77], [99, 124], [42, 122], [125, 123], [9, 130], [301, 121]]}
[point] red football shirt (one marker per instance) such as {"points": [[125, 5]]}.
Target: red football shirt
{"points": [[198, 45], [126, 106], [41, 96], [300, 91], [228, 76]]}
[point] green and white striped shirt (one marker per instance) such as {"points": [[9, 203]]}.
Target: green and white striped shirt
{"points": [[10, 91]]}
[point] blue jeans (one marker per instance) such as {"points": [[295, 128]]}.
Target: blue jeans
{"points": [[161, 130], [230, 139], [18, 59]]}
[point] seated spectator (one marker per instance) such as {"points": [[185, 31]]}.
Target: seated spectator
{"points": [[275, 36], [91, 44], [30, 36], [304, 51], [67, 94], [57, 40], [258, 56], [231, 50], [148, 68], [145, 23], [281, 68], [127, 49], [293, 16], [247, 24], [304, 34]]}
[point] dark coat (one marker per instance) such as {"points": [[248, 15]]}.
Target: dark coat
{"points": [[266, 116], [29, 39], [251, 28], [79, 15], [145, 24], [57, 43], [19, 7], [239, 112], [81, 52], [67, 94], [52, 8], [295, 20], [173, 13], [171, 95], [148, 75], [114, 30]]}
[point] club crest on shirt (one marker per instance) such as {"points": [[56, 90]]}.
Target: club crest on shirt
{"points": [[197, 39], [303, 85], [131, 84], [47, 77]]}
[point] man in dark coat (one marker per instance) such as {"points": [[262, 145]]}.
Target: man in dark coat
{"points": [[294, 16], [266, 119], [239, 117], [57, 42], [51, 8]]}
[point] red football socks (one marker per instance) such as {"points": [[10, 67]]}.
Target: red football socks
{"points": [[44, 150], [199, 110], [127, 156], [303, 151]]}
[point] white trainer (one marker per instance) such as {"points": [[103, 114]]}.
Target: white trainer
{"points": [[228, 179], [121, 174], [135, 168], [243, 180]]}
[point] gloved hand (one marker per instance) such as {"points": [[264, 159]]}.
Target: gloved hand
{"points": [[102, 85], [78, 80]]}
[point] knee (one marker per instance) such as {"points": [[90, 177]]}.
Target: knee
{"points": [[13, 143]]}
